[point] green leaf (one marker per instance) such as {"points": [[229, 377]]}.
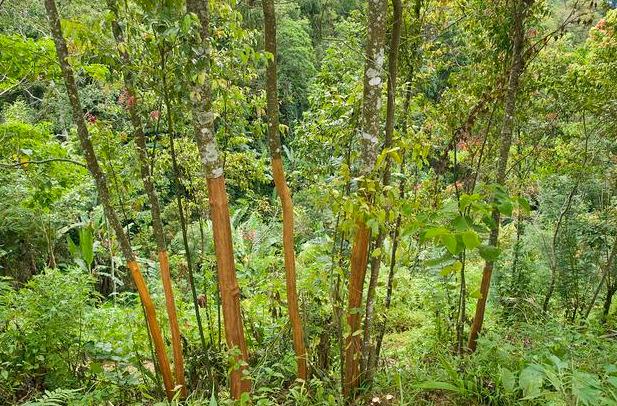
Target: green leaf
{"points": [[213, 401], [530, 381], [524, 205], [451, 269], [505, 207], [73, 249], [585, 387], [435, 232], [449, 241], [460, 224], [470, 239], [439, 386], [86, 245], [489, 253], [508, 380]]}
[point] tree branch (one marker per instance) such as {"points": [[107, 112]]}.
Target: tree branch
{"points": [[42, 161]]}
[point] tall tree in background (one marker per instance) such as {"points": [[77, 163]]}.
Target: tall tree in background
{"points": [[103, 193], [146, 176], [370, 130], [282, 189], [519, 11], [203, 123]]}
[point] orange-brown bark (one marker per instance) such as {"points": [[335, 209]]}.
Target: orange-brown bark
{"points": [[282, 189], [290, 266], [359, 260], [228, 284], [155, 331], [173, 321]]}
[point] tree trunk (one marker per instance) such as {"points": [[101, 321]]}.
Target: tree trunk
{"points": [[203, 123], [282, 189], [146, 176], [395, 242], [375, 54], [605, 274], [367, 348], [103, 193], [179, 194], [506, 141]]}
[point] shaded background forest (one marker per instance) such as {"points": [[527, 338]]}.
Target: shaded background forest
{"points": [[71, 323]]}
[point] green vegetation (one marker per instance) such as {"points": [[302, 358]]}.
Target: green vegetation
{"points": [[451, 236]]}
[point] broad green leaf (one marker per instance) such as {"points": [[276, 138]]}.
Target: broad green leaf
{"points": [[449, 241], [530, 381], [505, 207], [508, 380], [471, 239], [460, 224]]}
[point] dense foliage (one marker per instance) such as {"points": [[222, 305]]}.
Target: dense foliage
{"points": [[485, 166]]}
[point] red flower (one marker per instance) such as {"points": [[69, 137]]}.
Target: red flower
{"points": [[91, 118], [154, 115]]}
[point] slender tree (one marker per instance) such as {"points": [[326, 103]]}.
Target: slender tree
{"points": [[370, 130], [103, 193], [519, 12], [282, 189], [203, 123], [146, 176], [375, 264]]}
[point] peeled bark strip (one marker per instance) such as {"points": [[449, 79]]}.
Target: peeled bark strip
{"points": [[203, 123], [375, 55], [359, 260], [367, 347], [103, 192], [283, 190], [230, 292], [157, 224], [506, 142]]}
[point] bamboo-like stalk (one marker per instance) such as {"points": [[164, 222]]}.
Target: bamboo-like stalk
{"points": [[283, 190], [103, 192]]}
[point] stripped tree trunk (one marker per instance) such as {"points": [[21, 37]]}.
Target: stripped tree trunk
{"points": [[519, 11], [103, 193], [146, 176], [395, 39], [282, 189], [203, 123], [375, 54]]}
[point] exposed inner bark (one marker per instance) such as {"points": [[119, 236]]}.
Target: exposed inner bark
{"points": [[282, 190], [371, 101], [203, 123], [230, 292]]}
